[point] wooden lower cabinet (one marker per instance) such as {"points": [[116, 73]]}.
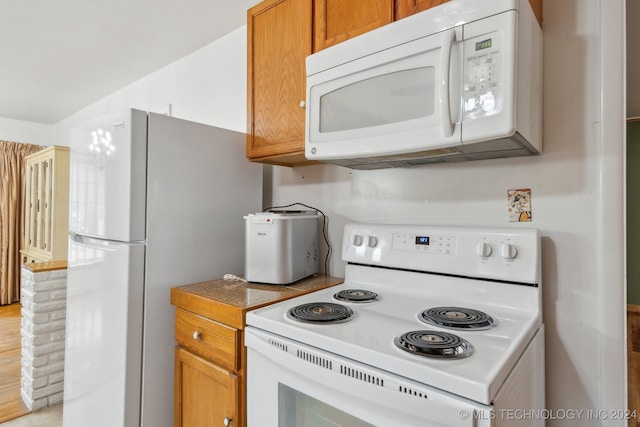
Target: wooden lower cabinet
{"points": [[210, 356], [208, 372], [205, 394]]}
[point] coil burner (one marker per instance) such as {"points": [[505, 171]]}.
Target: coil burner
{"points": [[434, 344], [356, 295], [320, 312], [457, 318]]}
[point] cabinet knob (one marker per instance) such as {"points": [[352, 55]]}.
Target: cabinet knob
{"points": [[227, 421], [197, 335], [303, 104]]}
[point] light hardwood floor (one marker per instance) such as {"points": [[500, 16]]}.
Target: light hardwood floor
{"points": [[11, 405]]}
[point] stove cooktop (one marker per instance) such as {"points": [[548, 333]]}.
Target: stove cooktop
{"points": [[369, 335]]}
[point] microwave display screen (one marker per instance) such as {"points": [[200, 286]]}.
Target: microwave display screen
{"points": [[484, 44], [422, 240]]}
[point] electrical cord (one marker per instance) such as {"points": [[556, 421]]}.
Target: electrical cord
{"points": [[233, 278], [325, 232]]}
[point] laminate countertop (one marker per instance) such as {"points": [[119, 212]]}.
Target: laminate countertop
{"points": [[228, 301]]}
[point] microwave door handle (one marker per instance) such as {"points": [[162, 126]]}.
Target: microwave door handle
{"points": [[445, 69]]}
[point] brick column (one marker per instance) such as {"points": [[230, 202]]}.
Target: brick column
{"points": [[43, 298]]}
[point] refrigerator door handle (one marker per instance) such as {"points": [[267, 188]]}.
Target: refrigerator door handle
{"points": [[104, 244]]}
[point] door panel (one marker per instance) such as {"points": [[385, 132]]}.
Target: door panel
{"points": [[205, 395], [406, 8], [336, 20], [108, 177], [103, 344]]}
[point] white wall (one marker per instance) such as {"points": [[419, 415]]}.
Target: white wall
{"points": [[25, 132], [208, 86], [577, 186]]}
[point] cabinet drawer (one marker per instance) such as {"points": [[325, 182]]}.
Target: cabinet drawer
{"points": [[210, 340]]}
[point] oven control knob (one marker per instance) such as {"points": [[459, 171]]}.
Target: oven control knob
{"points": [[483, 249], [372, 241], [357, 240], [508, 251]]}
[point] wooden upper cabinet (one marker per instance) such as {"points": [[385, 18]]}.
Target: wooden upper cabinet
{"points": [[337, 20], [536, 5], [279, 38], [405, 8]]}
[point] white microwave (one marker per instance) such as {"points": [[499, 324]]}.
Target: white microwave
{"points": [[460, 81]]}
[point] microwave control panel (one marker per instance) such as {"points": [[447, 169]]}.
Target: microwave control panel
{"points": [[482, 75]]}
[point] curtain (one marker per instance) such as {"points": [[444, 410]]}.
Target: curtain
{"points": [[12, 195]]}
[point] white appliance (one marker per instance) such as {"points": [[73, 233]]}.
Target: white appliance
{"points": [[433, 326], [281, 246], [460, 81], [155, 202]]}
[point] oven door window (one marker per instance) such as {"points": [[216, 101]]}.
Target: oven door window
{"points": [[298, 409]]}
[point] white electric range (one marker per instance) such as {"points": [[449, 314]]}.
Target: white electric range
{"points": [[433, 326]]}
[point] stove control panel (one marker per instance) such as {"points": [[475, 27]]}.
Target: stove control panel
{"points": [[358, 240], [445, 245], [511, 254]]}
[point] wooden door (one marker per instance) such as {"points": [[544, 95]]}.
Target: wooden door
{"points": [[337, 20], [406, 8], [278, 41], [205, 395]]}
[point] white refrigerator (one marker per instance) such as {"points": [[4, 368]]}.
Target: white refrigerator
{"points": [[155, 202]]}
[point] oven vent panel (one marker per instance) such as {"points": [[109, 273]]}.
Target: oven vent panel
{"points": [[277, 344], [316, 360], [362, 376], [407, 390]]}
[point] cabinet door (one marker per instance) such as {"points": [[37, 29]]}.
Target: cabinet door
{"points": [[38, 207], [278, 41], [338, 20], [405, 8], [205, 395], [46, 204], [31, 199]]}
